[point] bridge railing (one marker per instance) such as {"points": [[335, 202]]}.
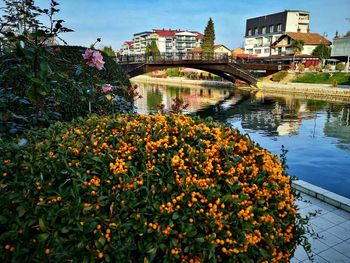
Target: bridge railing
{"points": [[171, 56]]}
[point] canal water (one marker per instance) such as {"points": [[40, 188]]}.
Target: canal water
{"points": [[316, 133]]}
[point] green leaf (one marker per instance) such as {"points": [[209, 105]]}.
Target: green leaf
{"points": [[89, 227], [200, 239], [21, 211], [100, 242], [42, 225], [42, 237]]}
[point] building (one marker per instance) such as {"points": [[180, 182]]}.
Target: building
{"points": [[127, 48], [262, 31], [284, 44], [168, 41], [341, 48], [219, 49], [237, 51]]}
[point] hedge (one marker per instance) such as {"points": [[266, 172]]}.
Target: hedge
{"points": [[138, 188]]}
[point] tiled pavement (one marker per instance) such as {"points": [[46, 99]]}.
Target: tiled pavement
{"points": [[333, 227]]}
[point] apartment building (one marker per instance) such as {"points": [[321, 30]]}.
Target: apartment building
{"points": [[168, 41], [127, 48], [262, 31]]}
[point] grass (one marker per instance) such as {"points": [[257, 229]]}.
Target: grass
{"points": [[323, 78]]}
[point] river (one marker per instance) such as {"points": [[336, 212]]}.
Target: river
{"points": [[316, 133]]}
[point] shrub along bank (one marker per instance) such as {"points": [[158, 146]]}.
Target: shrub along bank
{"points": [[341, 78], [161, 188]]}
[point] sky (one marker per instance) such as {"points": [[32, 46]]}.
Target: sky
{"points": [[115, 21]]}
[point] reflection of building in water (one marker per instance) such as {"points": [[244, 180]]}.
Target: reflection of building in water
{"points": [[198, 97], [338, 125]]}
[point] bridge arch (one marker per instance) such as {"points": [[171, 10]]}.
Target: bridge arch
{"points": [[220, 66]]}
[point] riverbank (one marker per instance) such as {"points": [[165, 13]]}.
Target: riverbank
{"points": [[298, 90], [304, 90], [182, 81]]}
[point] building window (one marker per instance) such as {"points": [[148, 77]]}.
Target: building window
{"points": [[263, 30], [256, 31], [266, 50], [271, 29], [279, 27], [249, 32], [257, 51]]}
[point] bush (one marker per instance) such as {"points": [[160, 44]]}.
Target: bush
{"points": [[68, 58], [173, 72], [328, 67], [141, 188], [340, 66], [318, 68], [311, 68], [63, 89], [279, 76], [301, 67]]}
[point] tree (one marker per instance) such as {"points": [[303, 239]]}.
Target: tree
{"points": [[109, 51], [298, 46], [152, 51], [322, 51], [208, 39]]}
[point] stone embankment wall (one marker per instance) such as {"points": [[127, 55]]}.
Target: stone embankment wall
{"points": [[319, 91], [182, 81]]}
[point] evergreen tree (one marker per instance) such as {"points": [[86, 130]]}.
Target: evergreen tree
{"points": [[152, 51], [208, 40], [322, 51], [155, 50]]}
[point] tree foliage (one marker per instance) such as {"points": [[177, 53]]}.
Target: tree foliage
{"points": [[152, 51], [322, 51], [109, 51], [209, 38], [298, 46]]}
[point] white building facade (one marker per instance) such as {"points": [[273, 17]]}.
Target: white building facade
{"points": [[262, 31], [168, 41]]}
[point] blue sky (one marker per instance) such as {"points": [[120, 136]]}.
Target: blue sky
{"points": [[117, 20]]}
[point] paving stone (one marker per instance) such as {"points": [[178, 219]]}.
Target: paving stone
{"points": [[334, 218], [343, 248], [342, 213], [345, 225], [295, 260], [339, 232], [300, 254], [334, 256], [317, 246], [321, 223], [317, 259], [326, 207], [311, 209], [329, 239]]}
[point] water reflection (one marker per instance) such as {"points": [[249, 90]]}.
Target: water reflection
{"points": [[197, 97], [316, 133]]}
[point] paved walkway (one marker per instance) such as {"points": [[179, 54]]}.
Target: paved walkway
{"points": [[333, 225]]}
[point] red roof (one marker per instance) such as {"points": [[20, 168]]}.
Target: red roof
{"points": [[129, 43], [171, 33]]}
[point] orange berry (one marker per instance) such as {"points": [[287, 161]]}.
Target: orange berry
{"points": [[47, 251], [100, 255]]}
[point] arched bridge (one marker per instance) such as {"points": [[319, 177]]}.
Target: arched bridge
{"points": [[218, 64]]}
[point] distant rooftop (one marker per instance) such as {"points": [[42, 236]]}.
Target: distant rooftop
{"points": [[285, 11], [143, 33]]}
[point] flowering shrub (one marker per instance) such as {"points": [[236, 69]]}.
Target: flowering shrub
{"points": [[94, 59], [132, 188]]}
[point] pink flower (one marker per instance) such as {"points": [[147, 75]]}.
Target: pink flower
{"points": [[94, 59], [88, 54], [107, 88]]}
